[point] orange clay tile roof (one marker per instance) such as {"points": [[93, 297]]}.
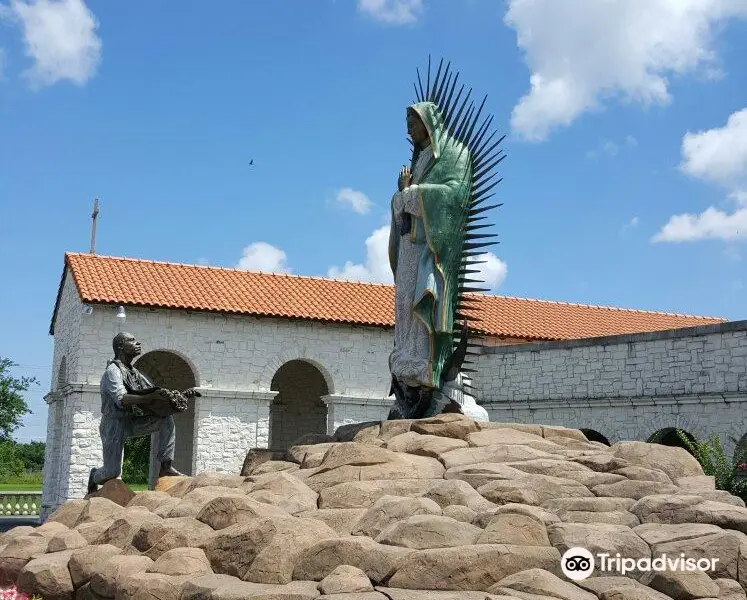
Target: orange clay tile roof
{"points": [[133, 282]]}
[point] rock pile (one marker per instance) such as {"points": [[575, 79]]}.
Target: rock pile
{"points": [[444, 508]]}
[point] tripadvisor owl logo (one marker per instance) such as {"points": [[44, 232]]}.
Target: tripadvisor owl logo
{"points": [[577, 563]]}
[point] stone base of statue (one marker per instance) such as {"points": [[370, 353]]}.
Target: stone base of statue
{"points": [[421, 402]]}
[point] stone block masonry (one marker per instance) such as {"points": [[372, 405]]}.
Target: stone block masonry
{"points": [[625, 387]]}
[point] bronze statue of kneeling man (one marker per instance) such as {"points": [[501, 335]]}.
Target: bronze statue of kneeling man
{"points": [[131, 406]]}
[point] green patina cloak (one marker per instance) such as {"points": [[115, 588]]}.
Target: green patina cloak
{"points": [[443, 193]]}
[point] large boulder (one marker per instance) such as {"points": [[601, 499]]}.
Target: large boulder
{"points": [[376, 560], [124, 528], [89, 560], [224, 511], [182, 561], [104, 581], [345, 579], [115, 490], [156, 537], [475, 567], [99, 509], [284, 491], [69, 513], [17, 553], [514, 529], [257, 456], [429, 531], [435, 509], [363, 494], [674, 461], [540, 583], [264, 550], [48, 576], [389, 510]]}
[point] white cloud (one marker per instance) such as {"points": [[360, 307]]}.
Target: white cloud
{"points": [[610, 148], [60, 37], [607, 147], [376, 268], [392, 12], [712, 224], [606, 49], [354, 199], [261, 256], [493, 272], [717, 155]]}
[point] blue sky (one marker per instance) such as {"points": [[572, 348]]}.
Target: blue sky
{"points": [[625, 182]]}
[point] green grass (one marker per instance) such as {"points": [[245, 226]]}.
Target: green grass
{"points": [[33, 484], [25, 482], [25, 479], [16, 487]]}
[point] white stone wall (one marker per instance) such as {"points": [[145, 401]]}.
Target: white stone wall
{"points": [[704, 360], [228, 425], [243, 353], [67, 332], [625, 387], [344, 410]]}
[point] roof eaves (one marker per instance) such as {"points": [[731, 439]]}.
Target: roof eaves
{"points": [[59, 297]]}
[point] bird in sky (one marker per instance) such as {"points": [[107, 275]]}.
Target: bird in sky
{"points": [[251, 162]]}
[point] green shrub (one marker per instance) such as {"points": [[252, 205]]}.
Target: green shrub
{"points": [[136, 464], [11, 465], [730, 473]]}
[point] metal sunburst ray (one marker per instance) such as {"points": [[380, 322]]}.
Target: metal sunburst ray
{"points": [[432, 95]]}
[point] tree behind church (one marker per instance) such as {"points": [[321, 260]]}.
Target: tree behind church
{"points": [[12, 403]]}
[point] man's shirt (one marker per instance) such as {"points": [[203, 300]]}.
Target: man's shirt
{"points": [[113, 389]]}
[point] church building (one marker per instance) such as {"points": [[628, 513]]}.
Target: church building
{"points": [[277, 356]]}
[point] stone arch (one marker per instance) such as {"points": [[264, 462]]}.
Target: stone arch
{"points": [[280, 359], [171, 369], [173, 357], [646, 423], [667, 436], [61, 374], [594, 436], [298, 408]]}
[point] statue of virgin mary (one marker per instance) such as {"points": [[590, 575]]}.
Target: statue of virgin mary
{"points": [[430, 243]]}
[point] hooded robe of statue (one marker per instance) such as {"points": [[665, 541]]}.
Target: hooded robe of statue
{"points": [[425, 256]]}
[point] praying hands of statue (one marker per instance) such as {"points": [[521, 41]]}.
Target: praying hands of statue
{"points": [[405, 178]]}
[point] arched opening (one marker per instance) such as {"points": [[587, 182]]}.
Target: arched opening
{"points": [[594, 436], [298, 408], [668, 436], [169, 370]]}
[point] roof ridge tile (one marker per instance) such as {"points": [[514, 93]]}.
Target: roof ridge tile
{"points": [[100, 278]]}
